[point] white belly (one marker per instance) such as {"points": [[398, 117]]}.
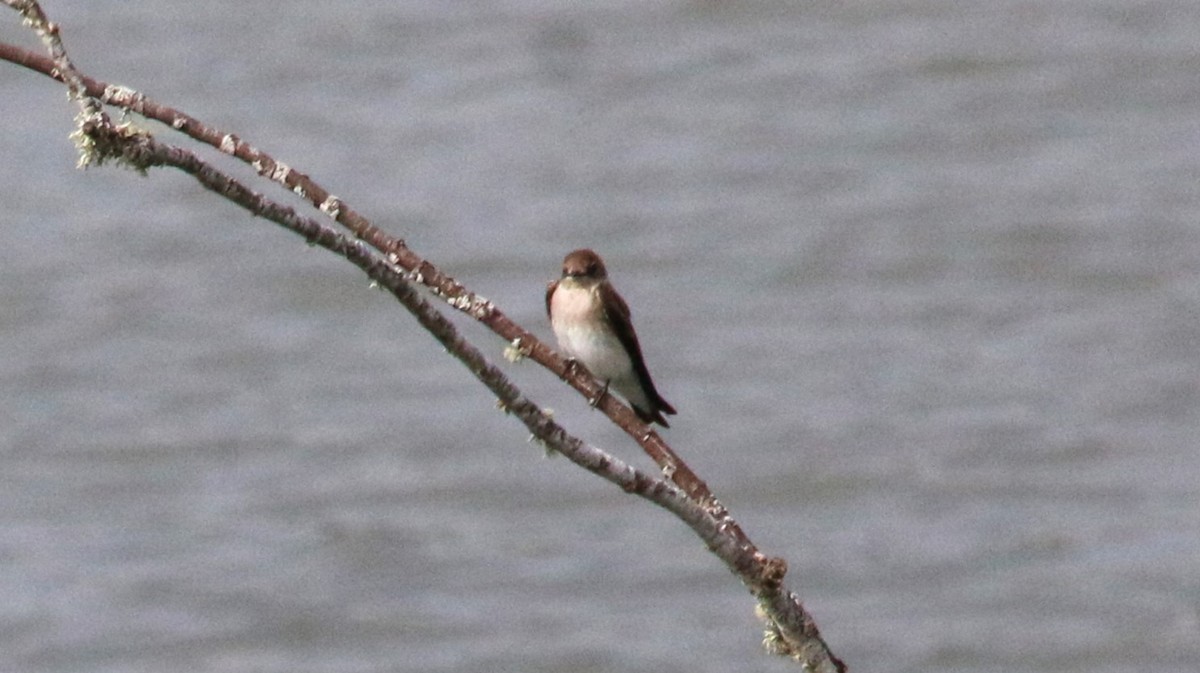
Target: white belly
{"points": [[598, 350], [577, 326]]}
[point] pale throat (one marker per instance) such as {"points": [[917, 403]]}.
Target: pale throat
{"points": [[575, 301]]}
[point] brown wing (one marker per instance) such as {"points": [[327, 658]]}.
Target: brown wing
{"points": [[550, 288], [618, 315]]}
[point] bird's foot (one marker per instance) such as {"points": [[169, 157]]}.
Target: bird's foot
{"points": [[595, 401]]}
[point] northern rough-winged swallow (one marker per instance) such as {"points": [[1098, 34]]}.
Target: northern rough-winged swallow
{"points": [[592, 325]]}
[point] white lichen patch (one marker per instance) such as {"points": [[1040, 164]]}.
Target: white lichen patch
{"points": [[124, 97], [462, 302], [514, 352], [229, 144], [131, 130], [331, 206], [281, 173], [86, 147], [114, 93], [116, 144]]}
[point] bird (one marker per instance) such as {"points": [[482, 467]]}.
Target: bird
{"points": [[592, 324]]}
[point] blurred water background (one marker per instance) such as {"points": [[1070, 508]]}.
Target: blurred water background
{"points": [[922, 278]]}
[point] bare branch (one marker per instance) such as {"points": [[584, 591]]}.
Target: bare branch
{"points": [[424, 272], [791, 631]]}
